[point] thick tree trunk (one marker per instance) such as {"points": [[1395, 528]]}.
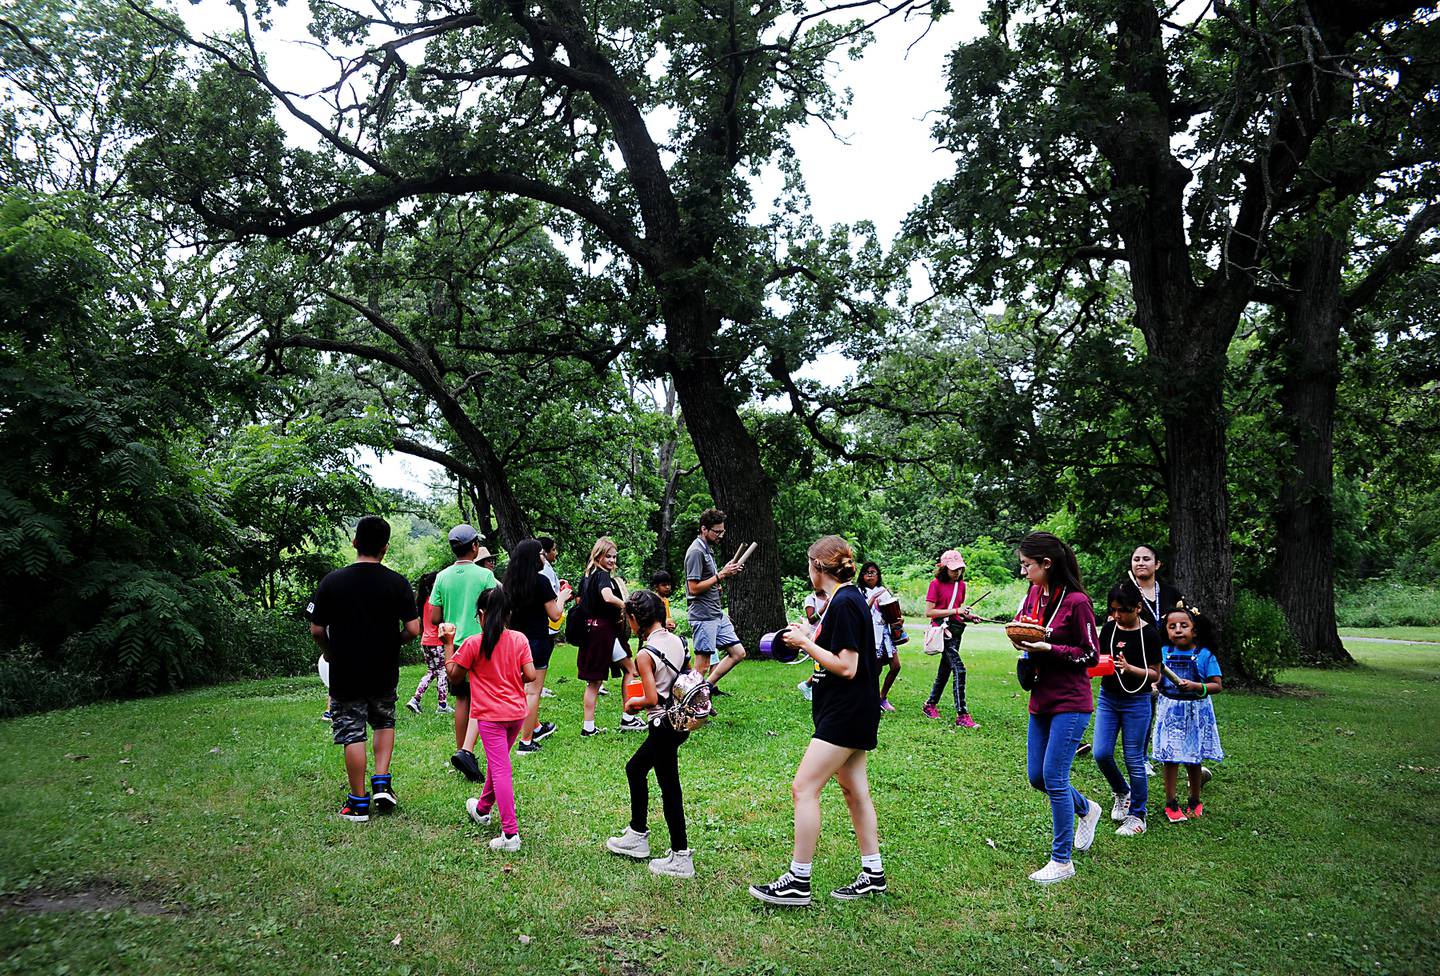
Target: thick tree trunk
{"points": [[1305, 521], [1196, 460], [510, 519], [741, 489]]}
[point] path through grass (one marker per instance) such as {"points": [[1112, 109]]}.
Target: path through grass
{"points": [[1316, 855]]}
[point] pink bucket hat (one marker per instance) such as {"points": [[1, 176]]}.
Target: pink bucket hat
{"points": [[950, 559]]}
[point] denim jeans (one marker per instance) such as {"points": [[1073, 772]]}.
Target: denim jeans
{"points": [[1128, 717], [1049, 754], [950, 664]]}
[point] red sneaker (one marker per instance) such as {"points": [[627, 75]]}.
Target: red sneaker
{"points": [[966, 722], [1194, 810], [1174, 814], [931, 711]]}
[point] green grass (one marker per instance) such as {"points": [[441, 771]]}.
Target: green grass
{"points": [[1316, 854], [1431, 634], [1387, 603]]}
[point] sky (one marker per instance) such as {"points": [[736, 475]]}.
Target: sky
{"points": [[884, 166]]}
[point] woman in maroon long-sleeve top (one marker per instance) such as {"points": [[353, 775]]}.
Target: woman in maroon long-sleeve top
{"points": [[1054, 670]]}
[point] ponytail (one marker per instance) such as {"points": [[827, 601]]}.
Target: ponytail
{"points": [[494, 607]]}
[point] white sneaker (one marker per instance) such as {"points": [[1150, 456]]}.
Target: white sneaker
{"points": [[1053, 872], [1085, 828], [630, 844], [1120, 809], [503, 843], [604, 690], [1205, 775], [472, 807], [546, 693], [804, 687], [675, 864], [1149, 769], [1131, 827]]}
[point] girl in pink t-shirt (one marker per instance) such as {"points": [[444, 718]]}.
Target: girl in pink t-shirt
{"points": [[499, 666]]}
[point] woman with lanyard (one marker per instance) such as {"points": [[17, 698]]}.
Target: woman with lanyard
{"points": [[846, 709], [1124, 709], [1156, 598], [1053, 670]]}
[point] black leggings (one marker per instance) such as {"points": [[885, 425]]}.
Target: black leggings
{"points": [[661, 752]]}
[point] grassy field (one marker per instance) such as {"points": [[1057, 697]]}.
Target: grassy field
{"points": [[196, 833], [1430, 634]]}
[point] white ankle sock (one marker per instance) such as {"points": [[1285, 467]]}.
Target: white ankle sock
{"points": [[871, 863], [800, 871], [590, 726]]}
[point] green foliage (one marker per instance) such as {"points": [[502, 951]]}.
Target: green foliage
{"points": [[1262, 641], [1388, 603]]}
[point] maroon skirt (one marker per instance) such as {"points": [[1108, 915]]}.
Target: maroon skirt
{"points": [[594, 658]]}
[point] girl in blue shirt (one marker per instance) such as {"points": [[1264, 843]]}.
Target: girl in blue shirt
{"points": [[1185, 728]]}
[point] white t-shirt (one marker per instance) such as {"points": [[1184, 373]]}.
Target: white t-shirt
{"points": [[673, 649], [873, 597]]}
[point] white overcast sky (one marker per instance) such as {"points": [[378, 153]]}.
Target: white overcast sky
{"points": [[884, 166]]}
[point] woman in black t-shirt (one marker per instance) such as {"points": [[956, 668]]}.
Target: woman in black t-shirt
{"points": [[602, 601], [845, 705]]}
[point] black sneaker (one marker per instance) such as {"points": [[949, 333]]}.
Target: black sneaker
{"points": [[865, 884], [527, 747], [543, 731], [784, 890], [464, 760], [589, 732], [714, 691], [1083, 749], [356, 808], [382, 796]]}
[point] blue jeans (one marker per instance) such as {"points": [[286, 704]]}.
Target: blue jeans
{"points": [[1049, 754], [1127, 716]]}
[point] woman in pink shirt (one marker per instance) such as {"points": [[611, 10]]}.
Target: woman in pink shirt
{"points": [[499, 665]]}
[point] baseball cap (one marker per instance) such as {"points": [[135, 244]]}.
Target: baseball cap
{"points": [[950, 559], [463, 534]]}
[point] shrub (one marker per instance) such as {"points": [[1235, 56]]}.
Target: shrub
{"points": [[1388, 603], [1262, 642]]}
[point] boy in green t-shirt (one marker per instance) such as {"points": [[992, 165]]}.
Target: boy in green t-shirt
{"points": [[453, 598]]}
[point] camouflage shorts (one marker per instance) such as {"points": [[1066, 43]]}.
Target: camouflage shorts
{"points": [[348, 718]]}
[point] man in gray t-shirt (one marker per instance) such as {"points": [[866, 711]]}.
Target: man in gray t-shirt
{"points": [[711, 629]]}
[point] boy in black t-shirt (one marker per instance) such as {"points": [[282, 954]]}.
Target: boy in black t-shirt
{"points": [[360, 616]]}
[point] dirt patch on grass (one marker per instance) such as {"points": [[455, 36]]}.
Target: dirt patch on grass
{"points": [[95, 896]]}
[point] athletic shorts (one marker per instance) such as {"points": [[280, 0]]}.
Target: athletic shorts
{"points": [[349, 718], [712, 635], [540, 650]]}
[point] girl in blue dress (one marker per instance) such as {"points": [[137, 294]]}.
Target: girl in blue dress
{"points": [[1185, 728]]}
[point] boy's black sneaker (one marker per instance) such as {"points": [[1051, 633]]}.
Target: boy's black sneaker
{"points": [[543, 731], [382, 796], [356, 808], [784, 890], [464, 760], [865, 884], [527, 747]]}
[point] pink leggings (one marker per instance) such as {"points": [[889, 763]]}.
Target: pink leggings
{"points": [[497, 738]]}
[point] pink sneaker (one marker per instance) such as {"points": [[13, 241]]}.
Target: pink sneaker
{"points": [[966, 722], [885, 705], [931, 711]]}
